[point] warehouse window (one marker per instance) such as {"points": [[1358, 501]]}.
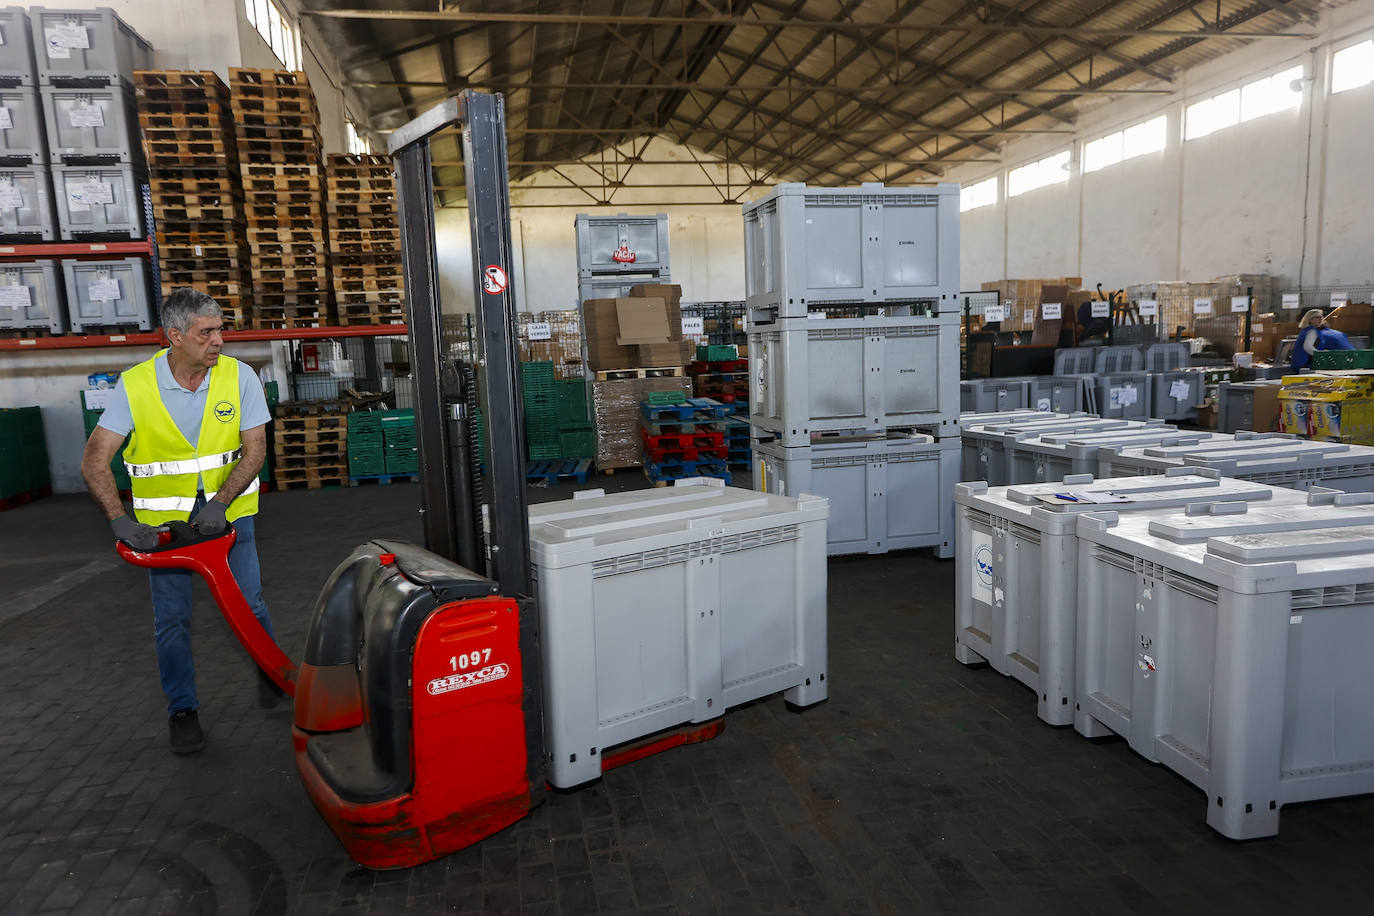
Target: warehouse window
{"points": [[1047, 171], [280, 35], [1211, 115], [358, 146], [982, 194], [1272, 94], [1137, 140], [1353, 67]]}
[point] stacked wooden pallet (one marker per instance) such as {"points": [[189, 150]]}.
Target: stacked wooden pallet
{"points": [[311, 451], [365, 240], [197, 199], [277, 125]]}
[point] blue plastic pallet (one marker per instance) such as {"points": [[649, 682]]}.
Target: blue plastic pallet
{"points": [[382, 479], [695, 408], [578, 469], [676, 470]]}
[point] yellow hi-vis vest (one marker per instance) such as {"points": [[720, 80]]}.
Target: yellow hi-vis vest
{"points": [[163, 467]]}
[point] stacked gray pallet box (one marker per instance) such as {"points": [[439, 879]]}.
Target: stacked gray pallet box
{"points": [[1018, 451], [1278, 459], [1219, 626], [852, 317], [615, 253], [85, 60]]}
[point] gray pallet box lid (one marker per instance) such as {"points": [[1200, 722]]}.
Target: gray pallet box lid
{"points": [[1249, 548], [595, 526], [1087, 446], [1042, 507], [1254, 453], [1020, 415]]}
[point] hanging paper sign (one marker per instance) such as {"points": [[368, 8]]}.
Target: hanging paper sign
{"points": [[1148, 307], [693, 327], [1339, 299], [1202, 306], [539, 330], [1052, 310], [995, 313], [1101, 309], [1240, 303], [1028, 315], [1292, 300], [87, 115]]}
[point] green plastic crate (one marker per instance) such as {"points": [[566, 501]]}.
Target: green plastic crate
{"points": [[666, 397], [577, 444], [572, 404], [713, 353], [90, 417], [1343, 359], [23, 451]]}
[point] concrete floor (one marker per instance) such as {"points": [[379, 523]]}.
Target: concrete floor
{"points": [[921, 786]]}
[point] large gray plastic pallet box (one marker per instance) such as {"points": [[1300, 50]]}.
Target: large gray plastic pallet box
{"points": [[1053, 456], [1111, 360], [1075, 361], [1176, 394], [1236, 404], [95, 202], [29, 216], [886, 493], [616, 286], [1274, 458], [86, 44], [1052, 393], [1166, 357], [91, 126], [805, 247], [108, 294], [600, 239], [16, 48], [40, 306], [23, 142], [1124, 395], [988, 395], [808, 376], [1230, 643], [985, 455], [1016, 568], [968, 420], [661, 607]]}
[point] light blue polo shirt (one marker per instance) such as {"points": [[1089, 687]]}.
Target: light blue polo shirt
{"points": [[188, 407]]}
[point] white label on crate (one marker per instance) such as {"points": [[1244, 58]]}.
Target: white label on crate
{"points": [[1148, 307], [1180, 390], [70, 35], [97, 192], [693, 327], [995, 313], [1052, 310], [540, 330], [98, 398], [1202, 306], [1101, 309], [1123, 397], [6, 119], [1340, 298], [1028, 315], [198, 250], [1294, 618], [56, 51], [15, 297], [1043, 404], [981, 573], [87, 115], [1292, 300], [1240, 303], [10, 197], [104, 289]]}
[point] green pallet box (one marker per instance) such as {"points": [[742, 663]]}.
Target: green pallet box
{"points": [[1343, 359], [90, 416]]}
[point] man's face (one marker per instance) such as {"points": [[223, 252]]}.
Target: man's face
{"points": [[200, 345]]}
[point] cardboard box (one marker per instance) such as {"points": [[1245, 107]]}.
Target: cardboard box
{"points": [[602, 329], [1352, 319], [643, 321], [661, 355], [670, 293]]}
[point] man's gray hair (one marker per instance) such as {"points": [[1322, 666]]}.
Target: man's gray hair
{"points": [[185, 305]]}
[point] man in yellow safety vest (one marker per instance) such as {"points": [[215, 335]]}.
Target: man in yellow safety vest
{"points": [[196, 422]]}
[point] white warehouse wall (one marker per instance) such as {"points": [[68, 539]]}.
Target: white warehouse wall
{"points": [[1287, 193]]}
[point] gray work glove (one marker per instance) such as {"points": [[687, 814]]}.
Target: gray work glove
{"points": [[210, 518], [136, 534]]}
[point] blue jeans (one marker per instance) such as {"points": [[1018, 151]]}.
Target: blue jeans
{"points": [[172, 614]]}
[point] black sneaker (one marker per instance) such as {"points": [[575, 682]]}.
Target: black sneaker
{"points": [[186, 735], [268, 691]]}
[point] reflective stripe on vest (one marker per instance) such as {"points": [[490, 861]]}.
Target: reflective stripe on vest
{"points": [[189, 466], [182, 503]]}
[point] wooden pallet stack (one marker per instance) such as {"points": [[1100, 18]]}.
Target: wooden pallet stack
{"points": [[365, 240], [310, 446], [197, 199], [277, 125]]}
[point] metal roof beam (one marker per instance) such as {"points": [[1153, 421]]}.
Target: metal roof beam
{"points": [[744, 22]]}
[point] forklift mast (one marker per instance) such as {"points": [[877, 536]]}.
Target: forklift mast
{"points": [[480, 522]]}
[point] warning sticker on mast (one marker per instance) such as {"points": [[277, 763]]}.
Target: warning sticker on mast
{"points": [[493, 279]]}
